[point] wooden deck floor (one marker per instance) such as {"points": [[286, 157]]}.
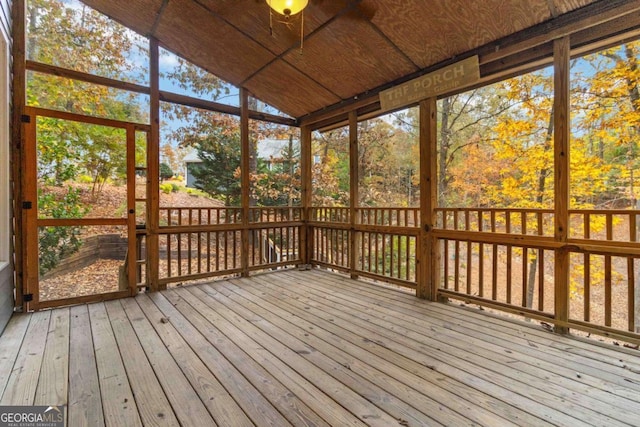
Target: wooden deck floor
{"points": [[308, 348]]}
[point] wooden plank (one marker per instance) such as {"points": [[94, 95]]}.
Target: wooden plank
{"points": [[354, 193], [428, 262], [153, 170], [153, 406], [589, 348], [99, 121], [288, 403], [23, 380], [445, 359], [7, 287], [29, 192], [84, 299], [298, 93], [562, 136], [313, 394], [117, 398], [245, 182], [295, 354], [554, 348], [496, 351], [85, 403], [339, 344], [85, 77], [254, 404], [18, 102], [164, 95], [222, 407], [54, 376], [188, 407], [10, 344], [82, 222], [131, 262]]}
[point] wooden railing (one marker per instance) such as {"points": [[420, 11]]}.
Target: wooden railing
{"points": [[501, 258], [511, 221], [380, 244], [198, 243], [171, 216], [505, 258], [392, 217], [330, 214]]}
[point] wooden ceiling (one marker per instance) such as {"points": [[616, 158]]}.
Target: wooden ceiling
{"points": [[351, 47]]}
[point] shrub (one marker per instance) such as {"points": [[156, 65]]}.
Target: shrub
{"points": [[175, 187], [166, 188], [84, 179], [56, 243]]}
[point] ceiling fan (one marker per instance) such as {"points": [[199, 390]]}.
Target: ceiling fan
{"points": [[289, 9]]}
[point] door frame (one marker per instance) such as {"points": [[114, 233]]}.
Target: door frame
{"points": [[30, 209]]}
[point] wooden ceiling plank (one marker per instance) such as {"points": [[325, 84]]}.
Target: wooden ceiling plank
{"points": [[297, 91], [207, 41], [349, 57], [395, 46], [307, 37], [138, 15], [255, 18], [446, 28], [588, 16], [586, 32]]}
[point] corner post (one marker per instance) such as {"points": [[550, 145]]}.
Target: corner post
{"points": [[244, 179], [306, 248], [428, 249], [18, 16], [354, 253], [561, 118], [153, 170]]}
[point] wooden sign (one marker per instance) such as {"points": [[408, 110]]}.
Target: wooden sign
{"points": [[446, 79]]}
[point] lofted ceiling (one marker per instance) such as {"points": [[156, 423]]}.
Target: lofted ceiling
{"points": [[351, 47]]}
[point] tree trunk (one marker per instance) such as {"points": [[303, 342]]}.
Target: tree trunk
{"points": [[444, 142], [542, 178]]}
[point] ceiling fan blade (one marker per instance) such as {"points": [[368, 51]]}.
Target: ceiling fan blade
{"points": [[359, 10]]}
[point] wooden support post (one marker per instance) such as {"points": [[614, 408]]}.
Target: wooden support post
{"points": [[306, 193], [428, 258], [245, 182], [153, 172], [354, 247], [131, 260], [29, 188], [561, 117], [18, 13]]}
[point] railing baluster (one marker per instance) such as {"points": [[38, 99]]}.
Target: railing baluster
{"points": [[587, 271], [540, 279], [525, 268]]}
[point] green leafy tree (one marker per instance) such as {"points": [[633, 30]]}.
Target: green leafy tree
{"points": [[217, 175], [165, 171]]}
